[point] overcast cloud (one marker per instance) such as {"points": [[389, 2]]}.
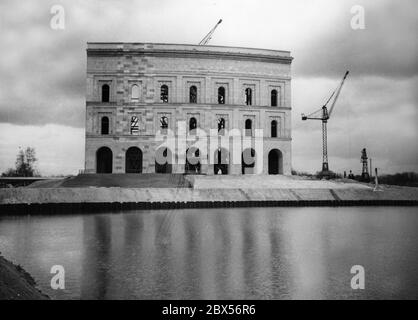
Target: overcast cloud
{"points": [[42, 71]]}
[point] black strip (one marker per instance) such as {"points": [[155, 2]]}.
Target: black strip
{"points": [[94, 207]]}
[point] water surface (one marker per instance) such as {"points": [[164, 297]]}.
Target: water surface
{"points": [[251, 253]]}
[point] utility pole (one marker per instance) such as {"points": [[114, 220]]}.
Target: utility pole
{"points": [[371, 169], [376, 182]]}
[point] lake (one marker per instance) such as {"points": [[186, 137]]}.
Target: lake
{"points": [[234, 253]]}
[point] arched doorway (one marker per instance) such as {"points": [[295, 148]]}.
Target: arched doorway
{"points": [[275, 165], [163, 160], [248, 161], [133, 160], [221, 163], [104, 160], [192, 161]]}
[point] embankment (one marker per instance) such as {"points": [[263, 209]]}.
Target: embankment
{"points": [[50, 200], [17, 284]]}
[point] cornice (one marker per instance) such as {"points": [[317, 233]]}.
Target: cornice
{"points": [[188, 51]]}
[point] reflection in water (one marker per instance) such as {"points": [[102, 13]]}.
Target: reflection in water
{"points": [[97, 235], [260, 253], [280, 281], [249, 249], [221, 229]]}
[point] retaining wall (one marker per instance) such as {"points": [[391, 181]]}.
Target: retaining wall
{"points": [[47, 200]]}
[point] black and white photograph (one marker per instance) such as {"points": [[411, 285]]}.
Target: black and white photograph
{"points": [[208, 154]]}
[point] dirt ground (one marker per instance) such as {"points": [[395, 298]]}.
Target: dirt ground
{"points": [[17, 284]]}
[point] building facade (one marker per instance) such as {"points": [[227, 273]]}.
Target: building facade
{"points": [[171, 108]]}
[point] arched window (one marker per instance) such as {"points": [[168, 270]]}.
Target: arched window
{"points": [[105, 125], [193, 94], [274, 129], [135, 92], [248, 96], [221, 95], [164, 94], [248, 127], [221, 125], [192, 124], [274, 98], [105, 93]]}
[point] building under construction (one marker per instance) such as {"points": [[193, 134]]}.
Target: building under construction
{"points": [[137, 91]]}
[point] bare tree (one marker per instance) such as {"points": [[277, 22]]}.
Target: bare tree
{"points": [[25, 164]]}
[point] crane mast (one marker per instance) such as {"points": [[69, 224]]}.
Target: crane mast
{"points": [[325, 167], [323, 114], [206, 39]]}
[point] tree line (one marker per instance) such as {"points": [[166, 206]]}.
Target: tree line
{"points": [[24, 165]]}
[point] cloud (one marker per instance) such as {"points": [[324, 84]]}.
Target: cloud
{"points": [[42, 71], [59, 149], [376, 113], [42, 80], [387, 47]]}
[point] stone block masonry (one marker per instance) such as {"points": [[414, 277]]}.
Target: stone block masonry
{"points": [[143, 83]]}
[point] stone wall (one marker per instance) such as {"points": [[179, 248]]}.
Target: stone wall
{"points": [[149, 66]]}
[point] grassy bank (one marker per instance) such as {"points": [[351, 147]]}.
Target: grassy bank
{"points": [[17, 284]]}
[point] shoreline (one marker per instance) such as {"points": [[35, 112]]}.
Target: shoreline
{"points": [[115, 192], [94, 199], [103, 207], [17, 284]]}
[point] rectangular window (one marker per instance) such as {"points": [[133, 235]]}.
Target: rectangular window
{"points": [[134, 125], [164, 124], [164, 94]]}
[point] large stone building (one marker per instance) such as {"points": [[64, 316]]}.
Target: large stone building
{"points": [[141, 93]]}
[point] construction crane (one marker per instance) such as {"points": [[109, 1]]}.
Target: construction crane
{"points": [[323, 114], [365, 171], [206, 39]]}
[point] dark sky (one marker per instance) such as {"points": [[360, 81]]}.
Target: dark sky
{"points": [[42, 71]]}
